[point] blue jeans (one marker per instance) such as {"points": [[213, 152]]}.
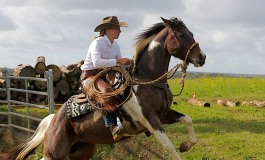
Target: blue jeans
{"points": [[110, 119]]}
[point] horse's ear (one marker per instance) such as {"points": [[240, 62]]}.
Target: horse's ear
{"points": [[167, 22]]}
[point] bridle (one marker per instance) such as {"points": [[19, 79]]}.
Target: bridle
{"points": [[183, 67], [188, 52], [174, 35]]}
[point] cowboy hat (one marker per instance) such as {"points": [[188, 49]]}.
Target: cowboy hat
{"points": [[110, 21]]}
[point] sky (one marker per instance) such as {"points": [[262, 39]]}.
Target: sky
{"points": [[230, 32]]}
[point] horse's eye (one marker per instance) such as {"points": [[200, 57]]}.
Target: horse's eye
{"points": [[181, 35]]}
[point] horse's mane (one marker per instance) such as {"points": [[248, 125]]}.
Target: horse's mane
{"points": [[144, 38]]}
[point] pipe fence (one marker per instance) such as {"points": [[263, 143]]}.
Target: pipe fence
{"points": [[11, 103]]}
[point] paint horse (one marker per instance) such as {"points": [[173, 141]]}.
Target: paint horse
{"points": [[148, 106]]}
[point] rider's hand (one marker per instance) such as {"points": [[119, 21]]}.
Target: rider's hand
{"points": [[124, 61]]}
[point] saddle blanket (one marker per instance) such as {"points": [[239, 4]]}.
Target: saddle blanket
{"points": [[74, 109]]}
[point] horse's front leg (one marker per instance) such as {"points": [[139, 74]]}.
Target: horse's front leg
{"points": [[155, 127], [149, 119], [173, 117]]}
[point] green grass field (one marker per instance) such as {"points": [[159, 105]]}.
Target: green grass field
{"points": [[235, 133], [208, 88], [223, 133]]}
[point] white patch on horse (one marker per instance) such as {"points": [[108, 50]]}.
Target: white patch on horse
{"points": [[166, 143], [133, 108], [191, 133], [153, 44]]}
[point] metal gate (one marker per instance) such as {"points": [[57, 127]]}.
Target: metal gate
{"points": [[48, 77]]}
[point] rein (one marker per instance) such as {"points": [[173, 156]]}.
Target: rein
{"points": [[184, 67], [129, 81]]}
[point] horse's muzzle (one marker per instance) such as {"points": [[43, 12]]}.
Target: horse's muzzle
{"points": [[200, 61]]}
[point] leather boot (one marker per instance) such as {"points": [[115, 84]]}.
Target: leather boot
{"points": [[115, 131], [126, 125]]}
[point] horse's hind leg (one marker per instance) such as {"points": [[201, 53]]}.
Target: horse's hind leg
{"points": [[56, 145], [59, 138], [173, 117], [82, 151]]}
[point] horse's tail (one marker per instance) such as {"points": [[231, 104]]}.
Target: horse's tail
{"points": [[37, 138], [22, 151]]}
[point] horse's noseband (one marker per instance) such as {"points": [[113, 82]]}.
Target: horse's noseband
{"points": [[188, 52]]}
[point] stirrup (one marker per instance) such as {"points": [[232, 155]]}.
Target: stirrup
{"points": [[116, 133], [124, 124]]}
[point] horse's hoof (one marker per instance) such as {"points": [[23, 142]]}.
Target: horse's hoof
{"points": [[184, 147]]}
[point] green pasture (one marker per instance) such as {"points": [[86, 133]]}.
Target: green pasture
{"points": [[235, 133], [223, 133], [213, 88]]}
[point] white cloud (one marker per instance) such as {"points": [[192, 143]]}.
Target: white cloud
{"points": [[221, 39], [230, 32]]}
